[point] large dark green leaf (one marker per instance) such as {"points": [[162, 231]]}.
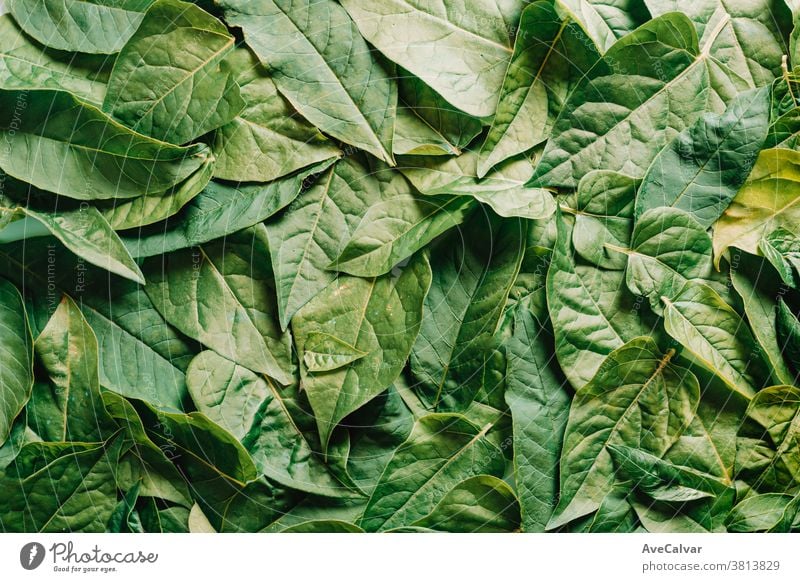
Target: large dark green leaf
{"points": [[380, 317], [638, 398], [706, 164], [140, 354], [216, 295], [471, 282], [16, 357], [442, 451], [773, 512], [25, 64], [87, 26], [183, 46], [328, 73], [482, 504], [609, 124], [592, 312], [539, 404], [63, 145], [216, 465], [253, 410], [551, 55], [461, 50], [71, 409], [60, 487]]}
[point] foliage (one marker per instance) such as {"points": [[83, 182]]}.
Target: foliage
{"points": [[347, 266]]}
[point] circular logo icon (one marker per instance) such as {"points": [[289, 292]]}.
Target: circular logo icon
{"points": [[31, 555]]}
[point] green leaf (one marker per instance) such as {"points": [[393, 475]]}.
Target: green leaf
{"points": [[268, 139], [144, 466], [776, 409], [715, 337], [662, 480], [787, 329], [125, 519], [225, 392], [668, 248], [214, 462], [219, 210], [60, 487], [606, 125], [283, 453], [442, 451], [603, 217], [327, 526], [330, 75], [662, 518], [539, 405], [605, 21], [96, 157], [702, 169], [782, 250], [140, 354], [183, 47], [324, 353], [766, 512], [471, 282], [550, 56], [308, 238], [253, 409], [615, 514], [750, 42], [85, 232], [638, 398], [16, 357], [25, 64], [72, 408], [145, 210], [376, 430], [380, 317], [481, 504], [503, 190], [86, 26], [216, 295], [592, 312], [461, 51], [393, 229], [198, 522], [426, 124], [767, 201], [759, 295]]}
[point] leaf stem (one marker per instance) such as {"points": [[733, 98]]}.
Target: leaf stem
{"points": [[712, 37]]}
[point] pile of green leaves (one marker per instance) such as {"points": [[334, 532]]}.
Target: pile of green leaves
{"points": [[335, 265]]}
